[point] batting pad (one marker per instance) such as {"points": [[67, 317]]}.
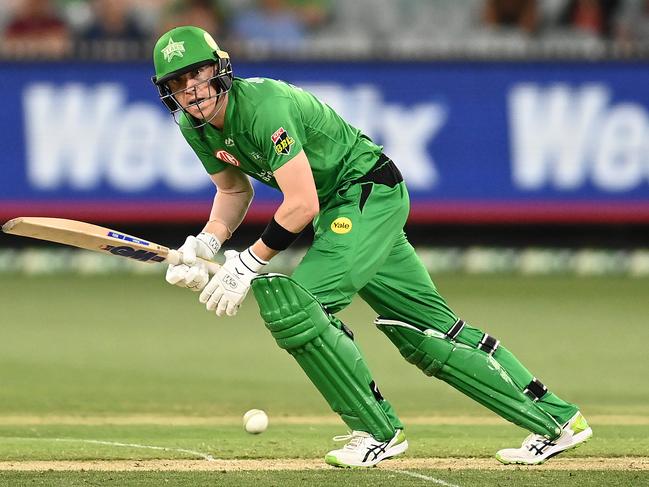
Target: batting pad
{"points": [[471, 371], [328, 356]]}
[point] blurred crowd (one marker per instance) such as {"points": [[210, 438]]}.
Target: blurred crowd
{"points": [[52, 28]]}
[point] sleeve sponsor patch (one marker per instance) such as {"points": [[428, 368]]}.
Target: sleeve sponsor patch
{"points": [[282, 141], [225, 156]]}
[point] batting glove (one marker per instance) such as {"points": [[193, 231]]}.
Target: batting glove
{"points": [[229, 286], [192, 273]]}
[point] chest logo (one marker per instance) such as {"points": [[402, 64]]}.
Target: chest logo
{"points": [[341, 225], [225, 156], [282, 141], [229, 142]]}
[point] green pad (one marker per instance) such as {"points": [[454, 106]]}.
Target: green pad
{"points": [[472, 372], [329, 357]]}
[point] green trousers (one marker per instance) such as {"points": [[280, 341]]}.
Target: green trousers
{"points": [[360, 248]]}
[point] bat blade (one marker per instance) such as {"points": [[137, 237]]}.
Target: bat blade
{"points": [[93, 237]]}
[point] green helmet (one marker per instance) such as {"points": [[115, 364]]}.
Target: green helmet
{"points": [[184, 49]]}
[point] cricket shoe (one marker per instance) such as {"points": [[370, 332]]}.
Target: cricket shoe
{"points": [[363, 450], [536, 449]]}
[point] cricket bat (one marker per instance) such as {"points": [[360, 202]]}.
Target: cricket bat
{"points": [[93, 237]]}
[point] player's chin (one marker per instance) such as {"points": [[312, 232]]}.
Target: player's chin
{"points": [[203, 110]]}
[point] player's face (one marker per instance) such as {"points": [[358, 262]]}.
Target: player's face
{"points": [[195, 93]]}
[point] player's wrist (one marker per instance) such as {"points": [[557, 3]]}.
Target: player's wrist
{"points": [[252, 261]]}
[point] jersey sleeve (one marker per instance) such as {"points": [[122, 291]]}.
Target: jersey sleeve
{"points": [[278, 130], [211, 164]]}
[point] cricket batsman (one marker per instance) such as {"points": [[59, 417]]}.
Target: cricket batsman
{"points": [[331, 174]]}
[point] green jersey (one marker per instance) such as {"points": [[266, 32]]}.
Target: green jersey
{"points": [[268, 122]]}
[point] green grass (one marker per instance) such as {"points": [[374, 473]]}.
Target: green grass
{"points": [[65, 442], [124, 346], [101, 345], [371, 478]]}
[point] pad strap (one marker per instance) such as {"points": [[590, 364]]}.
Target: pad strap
{"points": [[488, 344], [455, 330], [535, 390]]}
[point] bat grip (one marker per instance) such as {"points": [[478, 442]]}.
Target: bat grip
{"points": [[175, 257]]}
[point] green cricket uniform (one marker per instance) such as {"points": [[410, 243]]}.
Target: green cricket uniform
{"points": [[267, 122], [359, 246]]}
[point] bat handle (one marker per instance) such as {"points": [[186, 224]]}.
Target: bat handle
{"points": [[175, 257]]}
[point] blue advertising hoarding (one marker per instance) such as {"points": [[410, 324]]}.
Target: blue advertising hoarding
{"points": [[476, 142]]}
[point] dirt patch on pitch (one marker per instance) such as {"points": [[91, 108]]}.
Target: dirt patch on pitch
{"points": [[588, 463], [592, 463]]}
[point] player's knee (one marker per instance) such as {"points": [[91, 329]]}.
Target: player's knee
{"points": [[292, 314], [428, 350]]}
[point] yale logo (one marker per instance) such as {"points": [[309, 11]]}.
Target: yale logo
{"points": [[341, 225]]}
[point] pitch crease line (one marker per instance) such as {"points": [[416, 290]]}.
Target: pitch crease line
{"points": [[424, 477], [204, 456]]}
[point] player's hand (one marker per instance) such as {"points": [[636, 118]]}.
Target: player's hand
{"points": [[192, 273], [229, 286]]}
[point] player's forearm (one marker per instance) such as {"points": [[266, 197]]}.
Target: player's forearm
{"points": [[292, 215], [228, 211], [295, 214]]}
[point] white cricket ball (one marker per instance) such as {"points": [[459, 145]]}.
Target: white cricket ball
{"points": [[255, 421]]}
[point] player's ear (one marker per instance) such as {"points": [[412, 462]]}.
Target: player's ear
{"points": [[223, 67]]}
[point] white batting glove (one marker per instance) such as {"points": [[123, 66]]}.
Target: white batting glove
{"points": [[229, 286], [192, 273]]}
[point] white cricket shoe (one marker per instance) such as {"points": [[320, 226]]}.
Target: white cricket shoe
{"points": [[536, 449], [363, 450]]}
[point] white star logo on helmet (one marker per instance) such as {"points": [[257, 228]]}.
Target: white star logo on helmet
{"points": [[173, 49]]}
